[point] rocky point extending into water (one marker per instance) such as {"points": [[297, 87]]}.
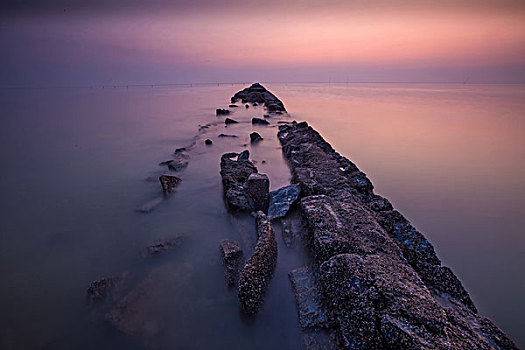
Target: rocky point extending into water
{"points": [[257, 93], [380, 279]]}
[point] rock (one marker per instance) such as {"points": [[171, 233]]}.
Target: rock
{"points": [[142, 313], [281, 200], [244, 155], [180, 154], [208, 142], [259, 121], [225, 135], [234, 174], [379, 300], [169, 182], [220, 111], [104, 290], [150, 205], [257, 187], [233, 106], [247, 106], [255, 137], [230, 121], [255, 104], [161, 246], [257, 94], [231, 253], [175, 165], [266, 116], [287, 233], [258, 270], [308, 298]]}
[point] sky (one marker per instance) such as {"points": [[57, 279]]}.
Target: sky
{"points": [[61, 42]]}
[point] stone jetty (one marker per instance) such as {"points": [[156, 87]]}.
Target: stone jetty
{"points": [[379, 278]]}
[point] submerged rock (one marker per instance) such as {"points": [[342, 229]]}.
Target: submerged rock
{"points": [[281, 200], [104, 290], [255, 137], [231, 253], [258, 270], [259, 121], [142, 312], [312, 314], [220, 111], [150, 205], [230, 121], [169, 182], [226, 135], [163, 245], [175, 165]]}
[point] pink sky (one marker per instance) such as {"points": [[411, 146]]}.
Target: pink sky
{"points": [[375, 40]]}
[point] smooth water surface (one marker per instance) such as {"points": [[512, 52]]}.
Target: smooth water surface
{"points": [[75, 165]]}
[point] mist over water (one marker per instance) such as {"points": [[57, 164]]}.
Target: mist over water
{"points": [[74, 164]]}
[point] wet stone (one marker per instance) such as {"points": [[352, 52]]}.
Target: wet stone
{"points": [[258, 187], [281, 200], [308, 298], [220, 111], [259, 121], [208, 142], [230, 121], [244, 155], [258, 270], [255, 137], [231, 253], [169, 182], [162, 245]]}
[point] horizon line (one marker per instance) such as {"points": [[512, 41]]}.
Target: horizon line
{"points": [[153, 85]]}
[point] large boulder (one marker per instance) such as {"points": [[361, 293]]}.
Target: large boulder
{"points": [[234, 173]]}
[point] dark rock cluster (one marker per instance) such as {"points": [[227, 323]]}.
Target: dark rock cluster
{"points": [[244, 188], [380, 278], [258, 270], [257, 93], [221, 111]]}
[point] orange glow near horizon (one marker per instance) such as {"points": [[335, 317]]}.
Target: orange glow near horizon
{"points": [[381, 34], [361, 38]]}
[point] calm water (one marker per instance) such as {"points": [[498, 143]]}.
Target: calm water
{"points": [[75, 165]]}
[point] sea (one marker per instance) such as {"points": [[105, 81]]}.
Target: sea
{"points": [[77, 163]]}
